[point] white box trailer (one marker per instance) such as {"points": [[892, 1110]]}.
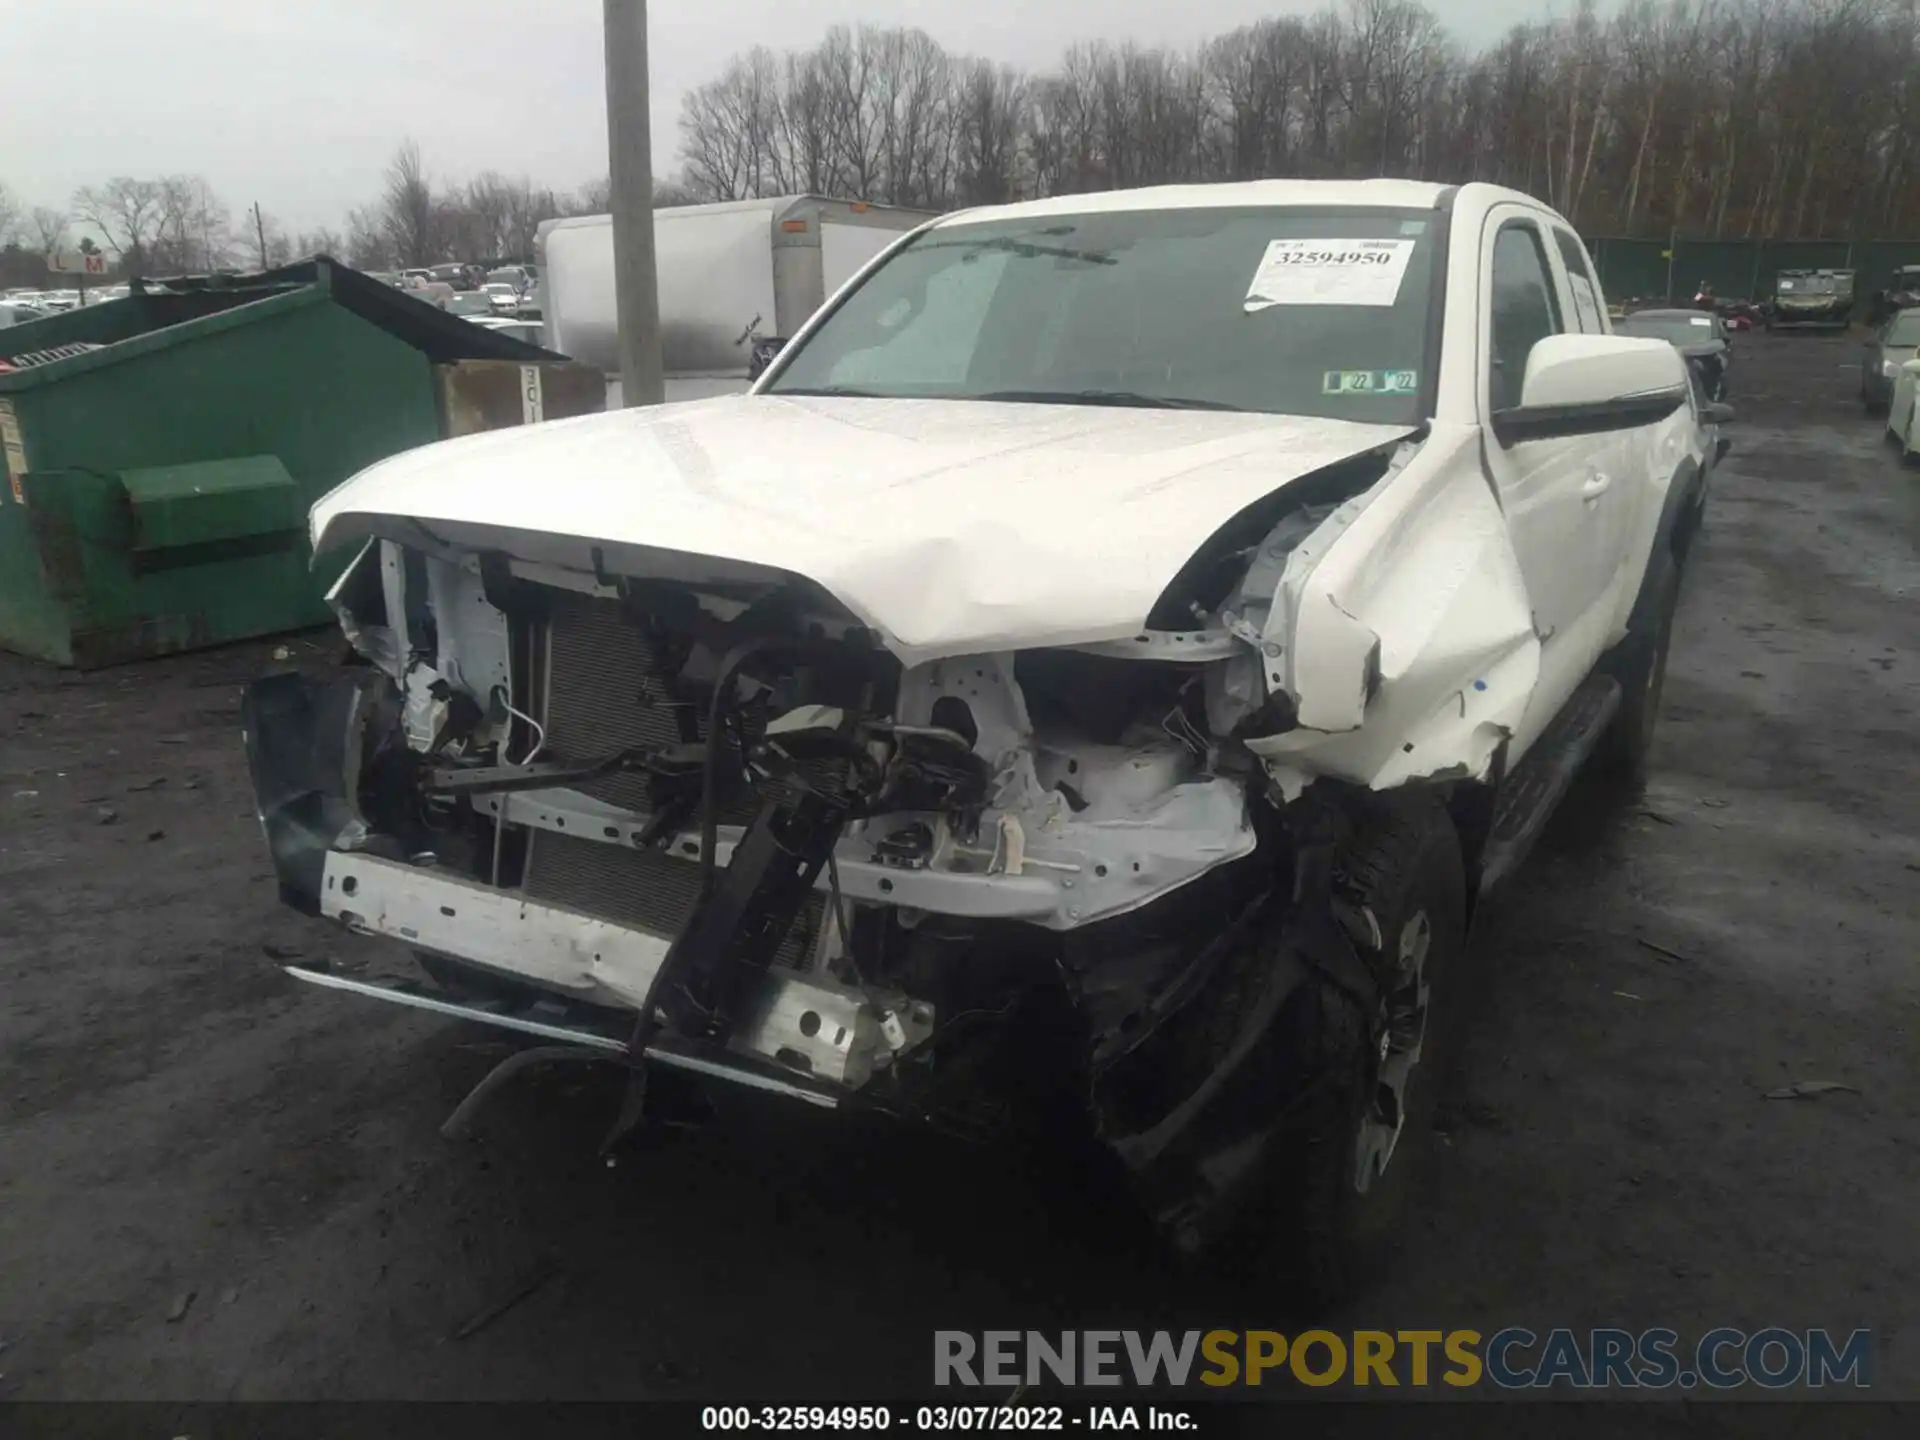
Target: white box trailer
{"points": [[729, 273]]}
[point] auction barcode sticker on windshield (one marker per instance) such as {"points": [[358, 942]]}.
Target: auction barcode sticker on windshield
{"points": [[1329, 272]]}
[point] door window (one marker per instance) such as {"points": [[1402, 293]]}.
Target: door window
{"points": [[1524, 310]]}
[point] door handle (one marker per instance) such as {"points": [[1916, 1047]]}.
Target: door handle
{"points": [[1596, 486]]}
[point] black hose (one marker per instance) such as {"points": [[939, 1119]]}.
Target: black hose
{"points": [[710, 770]]}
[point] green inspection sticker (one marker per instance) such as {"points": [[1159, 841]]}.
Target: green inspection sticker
{"points": [[1369, 382]]}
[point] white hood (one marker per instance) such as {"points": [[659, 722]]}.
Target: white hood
{"points": [[950, 527]]}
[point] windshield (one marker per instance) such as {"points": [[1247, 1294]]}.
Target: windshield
{"points": [[1680, 329], [1905, 329], [1297, 311]]}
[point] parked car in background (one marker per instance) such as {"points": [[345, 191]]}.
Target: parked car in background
{"points": [[469, 303], [514, 275], [504, 297], [1892, 345], [527, 330], [1821, 298], [16, 312], [1701, 338], [455, 275], [883, 785], [1903, 411], [1902, 293]]}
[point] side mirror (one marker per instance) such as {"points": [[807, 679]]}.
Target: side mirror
{"points": [[1715, 413], [1591, 384]]}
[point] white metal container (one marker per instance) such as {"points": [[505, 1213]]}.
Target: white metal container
{"points": [[729, 273]]}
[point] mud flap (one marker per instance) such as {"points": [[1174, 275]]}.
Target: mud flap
{"points": [[304, 750]]}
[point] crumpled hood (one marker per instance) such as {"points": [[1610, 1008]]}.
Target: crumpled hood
{"points": [[950, 527]]}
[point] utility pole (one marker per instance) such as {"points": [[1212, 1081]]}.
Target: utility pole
{"points": [[630, 153], [260, 229]]}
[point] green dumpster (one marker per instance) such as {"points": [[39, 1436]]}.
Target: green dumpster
{"points": [[161, 451]]}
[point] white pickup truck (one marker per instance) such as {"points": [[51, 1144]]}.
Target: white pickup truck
{"points": [[1094, 678]]}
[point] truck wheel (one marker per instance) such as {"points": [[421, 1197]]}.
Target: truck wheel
{"points": [[1640, 663], [1339, 1186]]}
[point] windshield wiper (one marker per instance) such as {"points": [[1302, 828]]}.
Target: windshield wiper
{"points": [[1025, 249], [1132, 398], [845, 390]]}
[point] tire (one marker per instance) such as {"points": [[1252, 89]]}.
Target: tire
{"points": [[1340, 1183], [1640, 664]]}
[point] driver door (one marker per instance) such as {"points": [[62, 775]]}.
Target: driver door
{"points": [[1563, 497]]}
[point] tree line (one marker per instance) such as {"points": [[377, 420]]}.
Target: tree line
{"points": [[1767, 119], [177, 224], [1735, 118]]}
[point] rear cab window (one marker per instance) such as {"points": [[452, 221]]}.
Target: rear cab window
{"points": [[1589, 301]]}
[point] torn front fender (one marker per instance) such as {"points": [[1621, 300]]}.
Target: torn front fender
{"points": [[1409, 638], [306, 741]]}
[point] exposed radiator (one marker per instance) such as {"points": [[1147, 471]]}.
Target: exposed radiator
{"points": [[602, 696]]}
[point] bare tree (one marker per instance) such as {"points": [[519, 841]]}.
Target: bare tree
{"points": [[593, 198], [12, 214], [130, 213], [367, 246], [990, 108], [673, 191], [323, 241], [410, 218], [47, 229], [195, 227]]}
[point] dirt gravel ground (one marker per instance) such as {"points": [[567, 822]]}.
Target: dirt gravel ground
{"points": [[218, 1183]]}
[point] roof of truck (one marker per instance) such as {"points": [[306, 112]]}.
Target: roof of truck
{"points": [[1349, 194]]}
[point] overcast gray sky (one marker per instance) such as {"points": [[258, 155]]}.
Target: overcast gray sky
{"points": [[299, 103]]}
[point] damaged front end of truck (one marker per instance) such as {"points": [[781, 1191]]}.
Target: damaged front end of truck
{"points": [[686, 810]]}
